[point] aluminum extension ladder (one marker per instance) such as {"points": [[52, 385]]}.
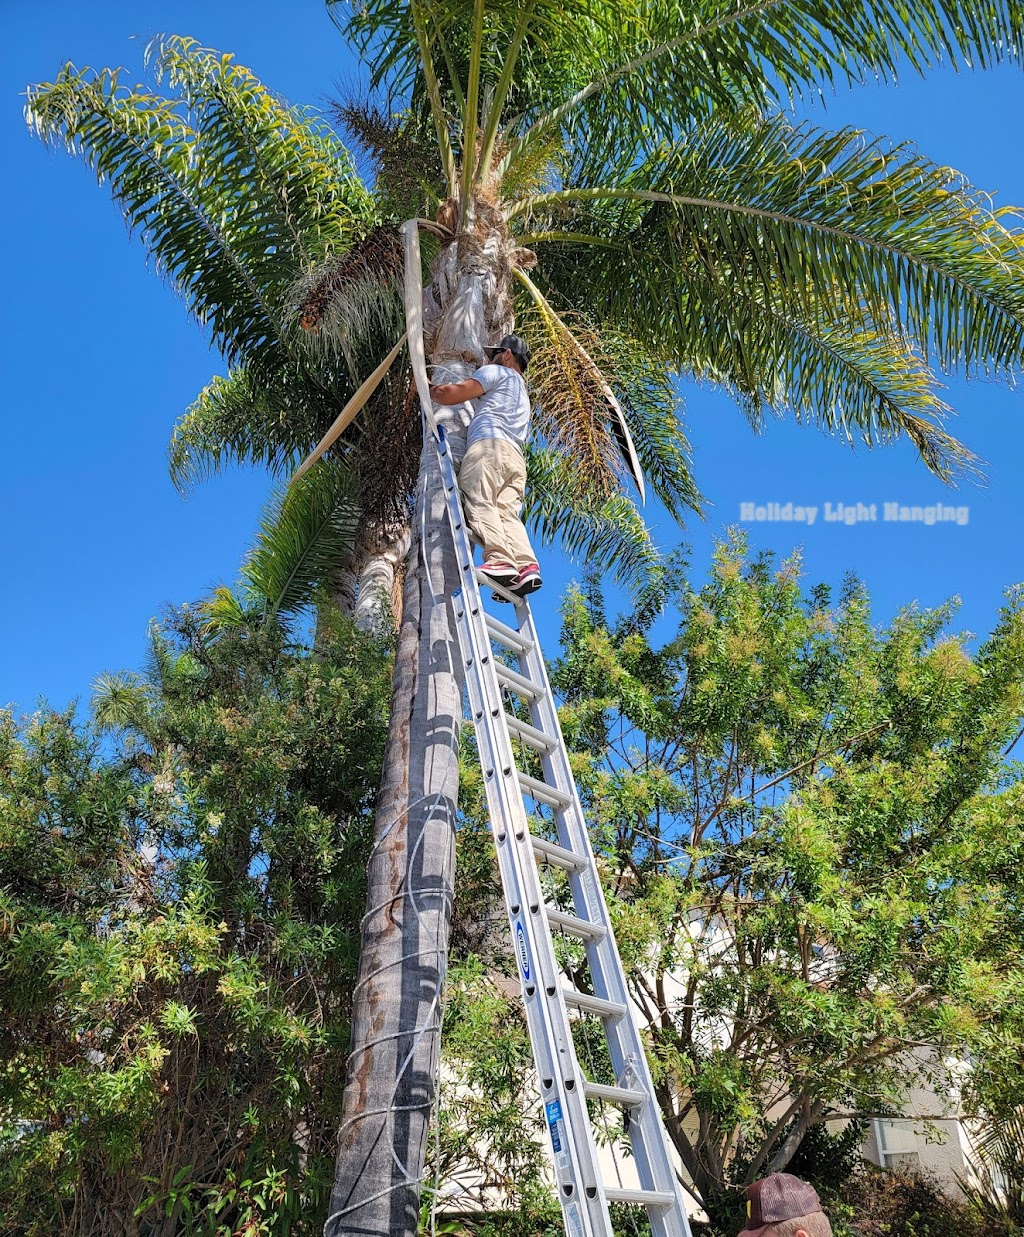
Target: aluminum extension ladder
{"points": [[564, 1088]]}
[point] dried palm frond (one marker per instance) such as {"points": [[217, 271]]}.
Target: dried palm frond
{"points": [[578, 412], [405, 167], [351, 410], [386, 453], [353, 296]]}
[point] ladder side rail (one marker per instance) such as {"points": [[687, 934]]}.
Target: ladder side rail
{"points": [[552, 1049], [625, 1044], [576, 1167]]}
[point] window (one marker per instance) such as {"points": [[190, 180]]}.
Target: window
{"points": [[897, 1143]]}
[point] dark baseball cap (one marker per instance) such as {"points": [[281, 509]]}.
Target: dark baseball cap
{"points": [[519, 348], [776, 1198]]}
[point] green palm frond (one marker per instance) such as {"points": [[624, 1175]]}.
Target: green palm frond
{"points": [[812, 272], [610, 531], [817, 42], [795, 212], [307, 530], [468, 64], [842, 374], [994, 1183], [837, 371], [653, 410], [673, 64], [239, 419], [226, 611], [231, 192], [299, 178], [612, 71], [122, 701]]}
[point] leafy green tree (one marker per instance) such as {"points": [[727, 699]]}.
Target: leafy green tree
{"points": [[811, 842], [181, 883], [809, 833], [681, 224]]}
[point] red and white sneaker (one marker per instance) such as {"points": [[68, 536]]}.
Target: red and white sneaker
{"points": [[497, 572], [527, 581]]}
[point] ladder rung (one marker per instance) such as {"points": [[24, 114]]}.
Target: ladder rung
{"points": [[646, 1198], [518, 683], [615, 1095], [582, 928], [558, 856], [505, 635], [487, 582], [530, 735], [541, 792], [593, 1004]]}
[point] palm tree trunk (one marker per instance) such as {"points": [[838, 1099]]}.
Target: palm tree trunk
{"points": [[404, 951], [396, 1005], [375, 607]]}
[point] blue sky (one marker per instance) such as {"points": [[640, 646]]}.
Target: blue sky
{"points": [[101, 360]]}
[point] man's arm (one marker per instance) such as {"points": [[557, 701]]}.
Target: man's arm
{"points": [[456, 392]]}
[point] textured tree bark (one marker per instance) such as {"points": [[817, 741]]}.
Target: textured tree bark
{"points": [[397, 1003], [374, 608], [405, 932], [344, 592]]}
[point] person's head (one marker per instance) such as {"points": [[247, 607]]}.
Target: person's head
{"points": [[511, 351], [784, 1206]]}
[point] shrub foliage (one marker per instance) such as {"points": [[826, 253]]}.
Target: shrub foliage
{"points": [[181, 882]]}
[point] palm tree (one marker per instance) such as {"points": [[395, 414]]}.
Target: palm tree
{"points": [[637, 155], [994, 1176], [254, 213], [621, 181]]}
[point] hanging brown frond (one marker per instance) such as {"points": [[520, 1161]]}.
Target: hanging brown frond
{"points": [[376, 260], [579, 412], [388, 447]]}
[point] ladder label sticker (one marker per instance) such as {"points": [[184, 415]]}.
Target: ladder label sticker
{"points": [[523, 952], [573, 1220], [556, 1125]]}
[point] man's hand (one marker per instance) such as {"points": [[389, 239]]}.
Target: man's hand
{"points": [[456, 392]]}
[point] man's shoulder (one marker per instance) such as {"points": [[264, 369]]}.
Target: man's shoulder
{"points": [[490, 376]]}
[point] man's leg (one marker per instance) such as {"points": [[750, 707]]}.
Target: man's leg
{"points": [[481, 478], [509, 502]]}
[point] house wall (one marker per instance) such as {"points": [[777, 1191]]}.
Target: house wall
{"points": [[929, 1134]]}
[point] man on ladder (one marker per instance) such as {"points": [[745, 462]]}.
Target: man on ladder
{"points": [[492, 477]]}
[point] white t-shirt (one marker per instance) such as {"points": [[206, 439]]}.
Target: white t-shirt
{"points": [[503, 411]]}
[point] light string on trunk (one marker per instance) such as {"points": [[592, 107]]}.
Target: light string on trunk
{"points": [[434, 1018]]}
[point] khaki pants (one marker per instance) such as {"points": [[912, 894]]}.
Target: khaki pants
{"points": [[492, 479]]}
